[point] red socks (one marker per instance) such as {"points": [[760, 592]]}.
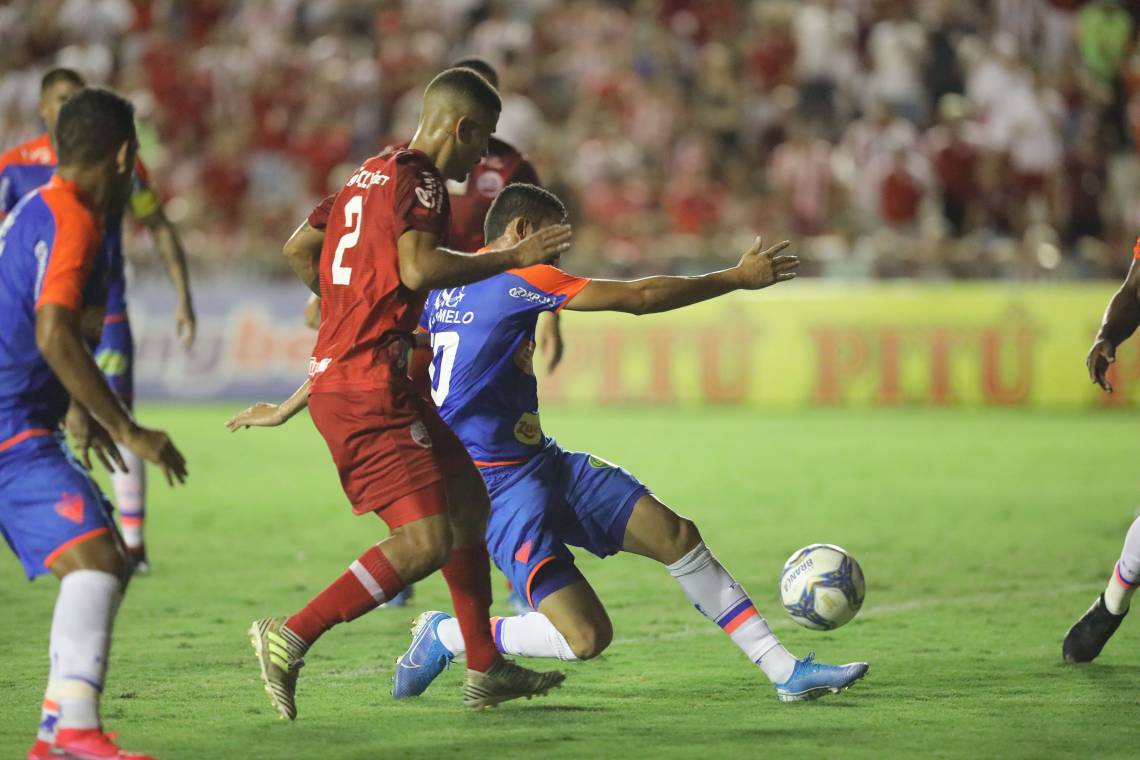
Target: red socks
{"points": [[369, 582], [468, 576]]}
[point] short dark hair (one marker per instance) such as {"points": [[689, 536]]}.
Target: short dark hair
{"points": [[92, 124], [530, 202], [481, 67], [61, 74], [468, 84]]}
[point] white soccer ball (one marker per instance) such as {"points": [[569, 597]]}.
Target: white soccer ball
{"points": [[822, 587]]}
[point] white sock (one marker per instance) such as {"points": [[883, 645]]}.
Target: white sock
{"points": [[49, 712], [80, 641], [130, 496], [721, 599], [1126, 577], [529, 635]]}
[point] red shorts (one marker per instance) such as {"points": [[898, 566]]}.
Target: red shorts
{"points": [[387, 444]]}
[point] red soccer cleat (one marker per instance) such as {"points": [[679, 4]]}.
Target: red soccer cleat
{"points": [[90, 744]]}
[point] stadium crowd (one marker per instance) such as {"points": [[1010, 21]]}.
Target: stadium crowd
{"points": [[890, 138]]}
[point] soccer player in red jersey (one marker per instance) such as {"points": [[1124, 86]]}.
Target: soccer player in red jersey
{"points": [[53, 290], [1087, 637], [30, 165], [382, 252]]}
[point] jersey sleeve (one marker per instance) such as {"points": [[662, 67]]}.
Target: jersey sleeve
{"points": [[421, 200], [319, 217], [70, 260], [144, 199], [552, 281]]}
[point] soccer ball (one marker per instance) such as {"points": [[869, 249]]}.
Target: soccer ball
{"points": [[822, 587]]}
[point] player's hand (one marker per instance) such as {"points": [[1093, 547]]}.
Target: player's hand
{"points": [[544, 246], [156, 447], [760, 268], [261, 414], [1102, 354], [186, 324], [88, 435]]}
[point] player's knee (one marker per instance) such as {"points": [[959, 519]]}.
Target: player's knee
{"points": [[680, 539], [429, 546], [591, 638]]}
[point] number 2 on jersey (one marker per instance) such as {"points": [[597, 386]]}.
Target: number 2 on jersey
{"points": [[443, 345], [341, 275]]}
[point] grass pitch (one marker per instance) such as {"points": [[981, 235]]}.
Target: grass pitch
{"points": [[983, 534]]}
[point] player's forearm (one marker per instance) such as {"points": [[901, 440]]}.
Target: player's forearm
{"points": [[59, 340], [295, 403], [173, 256], [666, 293], [442, 268], [1122, 316], [303, 252]]}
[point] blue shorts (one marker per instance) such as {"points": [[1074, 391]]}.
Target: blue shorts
{"points": [[48, 502], [553, 499], [115, 355]]}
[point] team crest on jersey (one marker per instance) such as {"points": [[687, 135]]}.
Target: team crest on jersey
{"points": [[420, 434], [528, 429], [600, 464], [490, 183], [449, 298]]}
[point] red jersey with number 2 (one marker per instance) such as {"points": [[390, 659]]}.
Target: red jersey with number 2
{"points": [[367, 315]]}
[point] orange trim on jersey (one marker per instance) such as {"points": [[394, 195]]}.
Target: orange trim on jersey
{"points": [[18, 437], [1136, 249], [74, 542], [499, 464], [552, 280], [530, 578], [73, 248]]}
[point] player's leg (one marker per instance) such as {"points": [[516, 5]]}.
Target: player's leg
{"points": [[115, 357], [1087, 637], [489, 679], [419, 544], [57, 521]]}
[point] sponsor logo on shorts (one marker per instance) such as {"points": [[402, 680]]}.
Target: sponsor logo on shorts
{"points": [[70, 506], [598, 463], [528, 429], [523, 554], [535, 298], [420, 434]]}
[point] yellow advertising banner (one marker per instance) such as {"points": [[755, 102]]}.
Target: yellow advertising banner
{"points": [[842, 344]]}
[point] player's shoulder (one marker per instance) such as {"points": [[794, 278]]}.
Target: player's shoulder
{"points": [[61, 200], [543, 276], [37, 151]]}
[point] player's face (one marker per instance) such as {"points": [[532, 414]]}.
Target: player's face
{"points": [[472, 137], [53, 99]]}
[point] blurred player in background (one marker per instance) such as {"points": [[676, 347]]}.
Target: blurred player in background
{"points": [[542, 497], [53, 283], [1087, 637], [26, 167], [470, 200], [395, 456]]}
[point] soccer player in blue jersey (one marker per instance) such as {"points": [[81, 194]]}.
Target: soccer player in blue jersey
{"points": [[53, 281], [543, 497], [30, 165]]}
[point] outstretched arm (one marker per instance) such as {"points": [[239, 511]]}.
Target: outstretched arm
{"points": [[757, 269], [424, 265], [263, 414], [303, 251], [173, 256], [1121, 319]]}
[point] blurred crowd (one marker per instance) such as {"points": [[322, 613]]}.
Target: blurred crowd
{"points": [[888, 138]]}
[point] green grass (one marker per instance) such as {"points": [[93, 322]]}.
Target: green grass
{"points": [[982, 535]]}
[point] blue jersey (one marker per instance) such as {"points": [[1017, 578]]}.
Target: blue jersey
{"points": [[49, 254], [482, 338], [31, 164]]}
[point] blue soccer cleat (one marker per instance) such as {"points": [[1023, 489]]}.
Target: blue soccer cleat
{"points": [[425, 658], [401, 599], [811, 679]]}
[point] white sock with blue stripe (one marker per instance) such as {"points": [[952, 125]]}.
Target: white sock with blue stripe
{"points": [[528, 635], [1126, 576], [717, 596], [80, 639], [130, 496]]}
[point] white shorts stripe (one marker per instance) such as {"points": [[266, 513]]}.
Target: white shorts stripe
{"points": [[366, 580]]}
